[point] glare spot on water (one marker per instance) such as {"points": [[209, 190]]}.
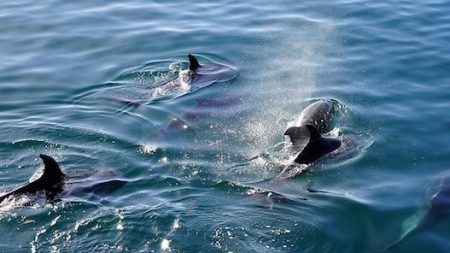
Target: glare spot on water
{"points": [[165, 245], [14, 202], [251, 192], [148, 148], [121, 217], [176, 224], [164, 160], [36, 240], [37, 174], [335, 131], [55, 220]]}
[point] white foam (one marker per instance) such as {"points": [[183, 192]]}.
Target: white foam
{"points": [[148, 148]]}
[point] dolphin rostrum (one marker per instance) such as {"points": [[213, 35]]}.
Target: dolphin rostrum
{"points": [[51, 182]]}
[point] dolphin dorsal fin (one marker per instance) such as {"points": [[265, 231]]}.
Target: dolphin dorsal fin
{"points": [[193, 63], [296, 134], [313, 133], [292, 132], [51, 169]]}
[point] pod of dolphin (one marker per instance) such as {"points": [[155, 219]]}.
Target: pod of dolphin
{"points": [[310, 139]]}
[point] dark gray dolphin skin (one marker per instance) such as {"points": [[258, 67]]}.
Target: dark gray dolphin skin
{"points": [[439, 210], [320, 114], [51, 182], [193, 63], [317, 146], [54, 182], [307, 141]]}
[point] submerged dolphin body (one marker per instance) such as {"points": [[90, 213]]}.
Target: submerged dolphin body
{"points": [[53, 182], [439, 209]]}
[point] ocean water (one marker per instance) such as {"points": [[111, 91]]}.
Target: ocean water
{"points": [[79, 81]]}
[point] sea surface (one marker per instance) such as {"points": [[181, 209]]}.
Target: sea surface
{"points": [[81, 81]]}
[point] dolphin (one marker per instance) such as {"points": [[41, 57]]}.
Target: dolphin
{"points": [[307, 140], [319, 114], [54, 182], [51, 182], [197, 75], [439, 209], [317, 146]]}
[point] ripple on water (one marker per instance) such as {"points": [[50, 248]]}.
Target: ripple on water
{"points": [[198, 164]]}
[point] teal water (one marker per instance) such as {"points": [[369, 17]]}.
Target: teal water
{"points": [[194, 161]]}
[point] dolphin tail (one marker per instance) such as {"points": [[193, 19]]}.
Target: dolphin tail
{"points": [[193, 62], [51, 169]]}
